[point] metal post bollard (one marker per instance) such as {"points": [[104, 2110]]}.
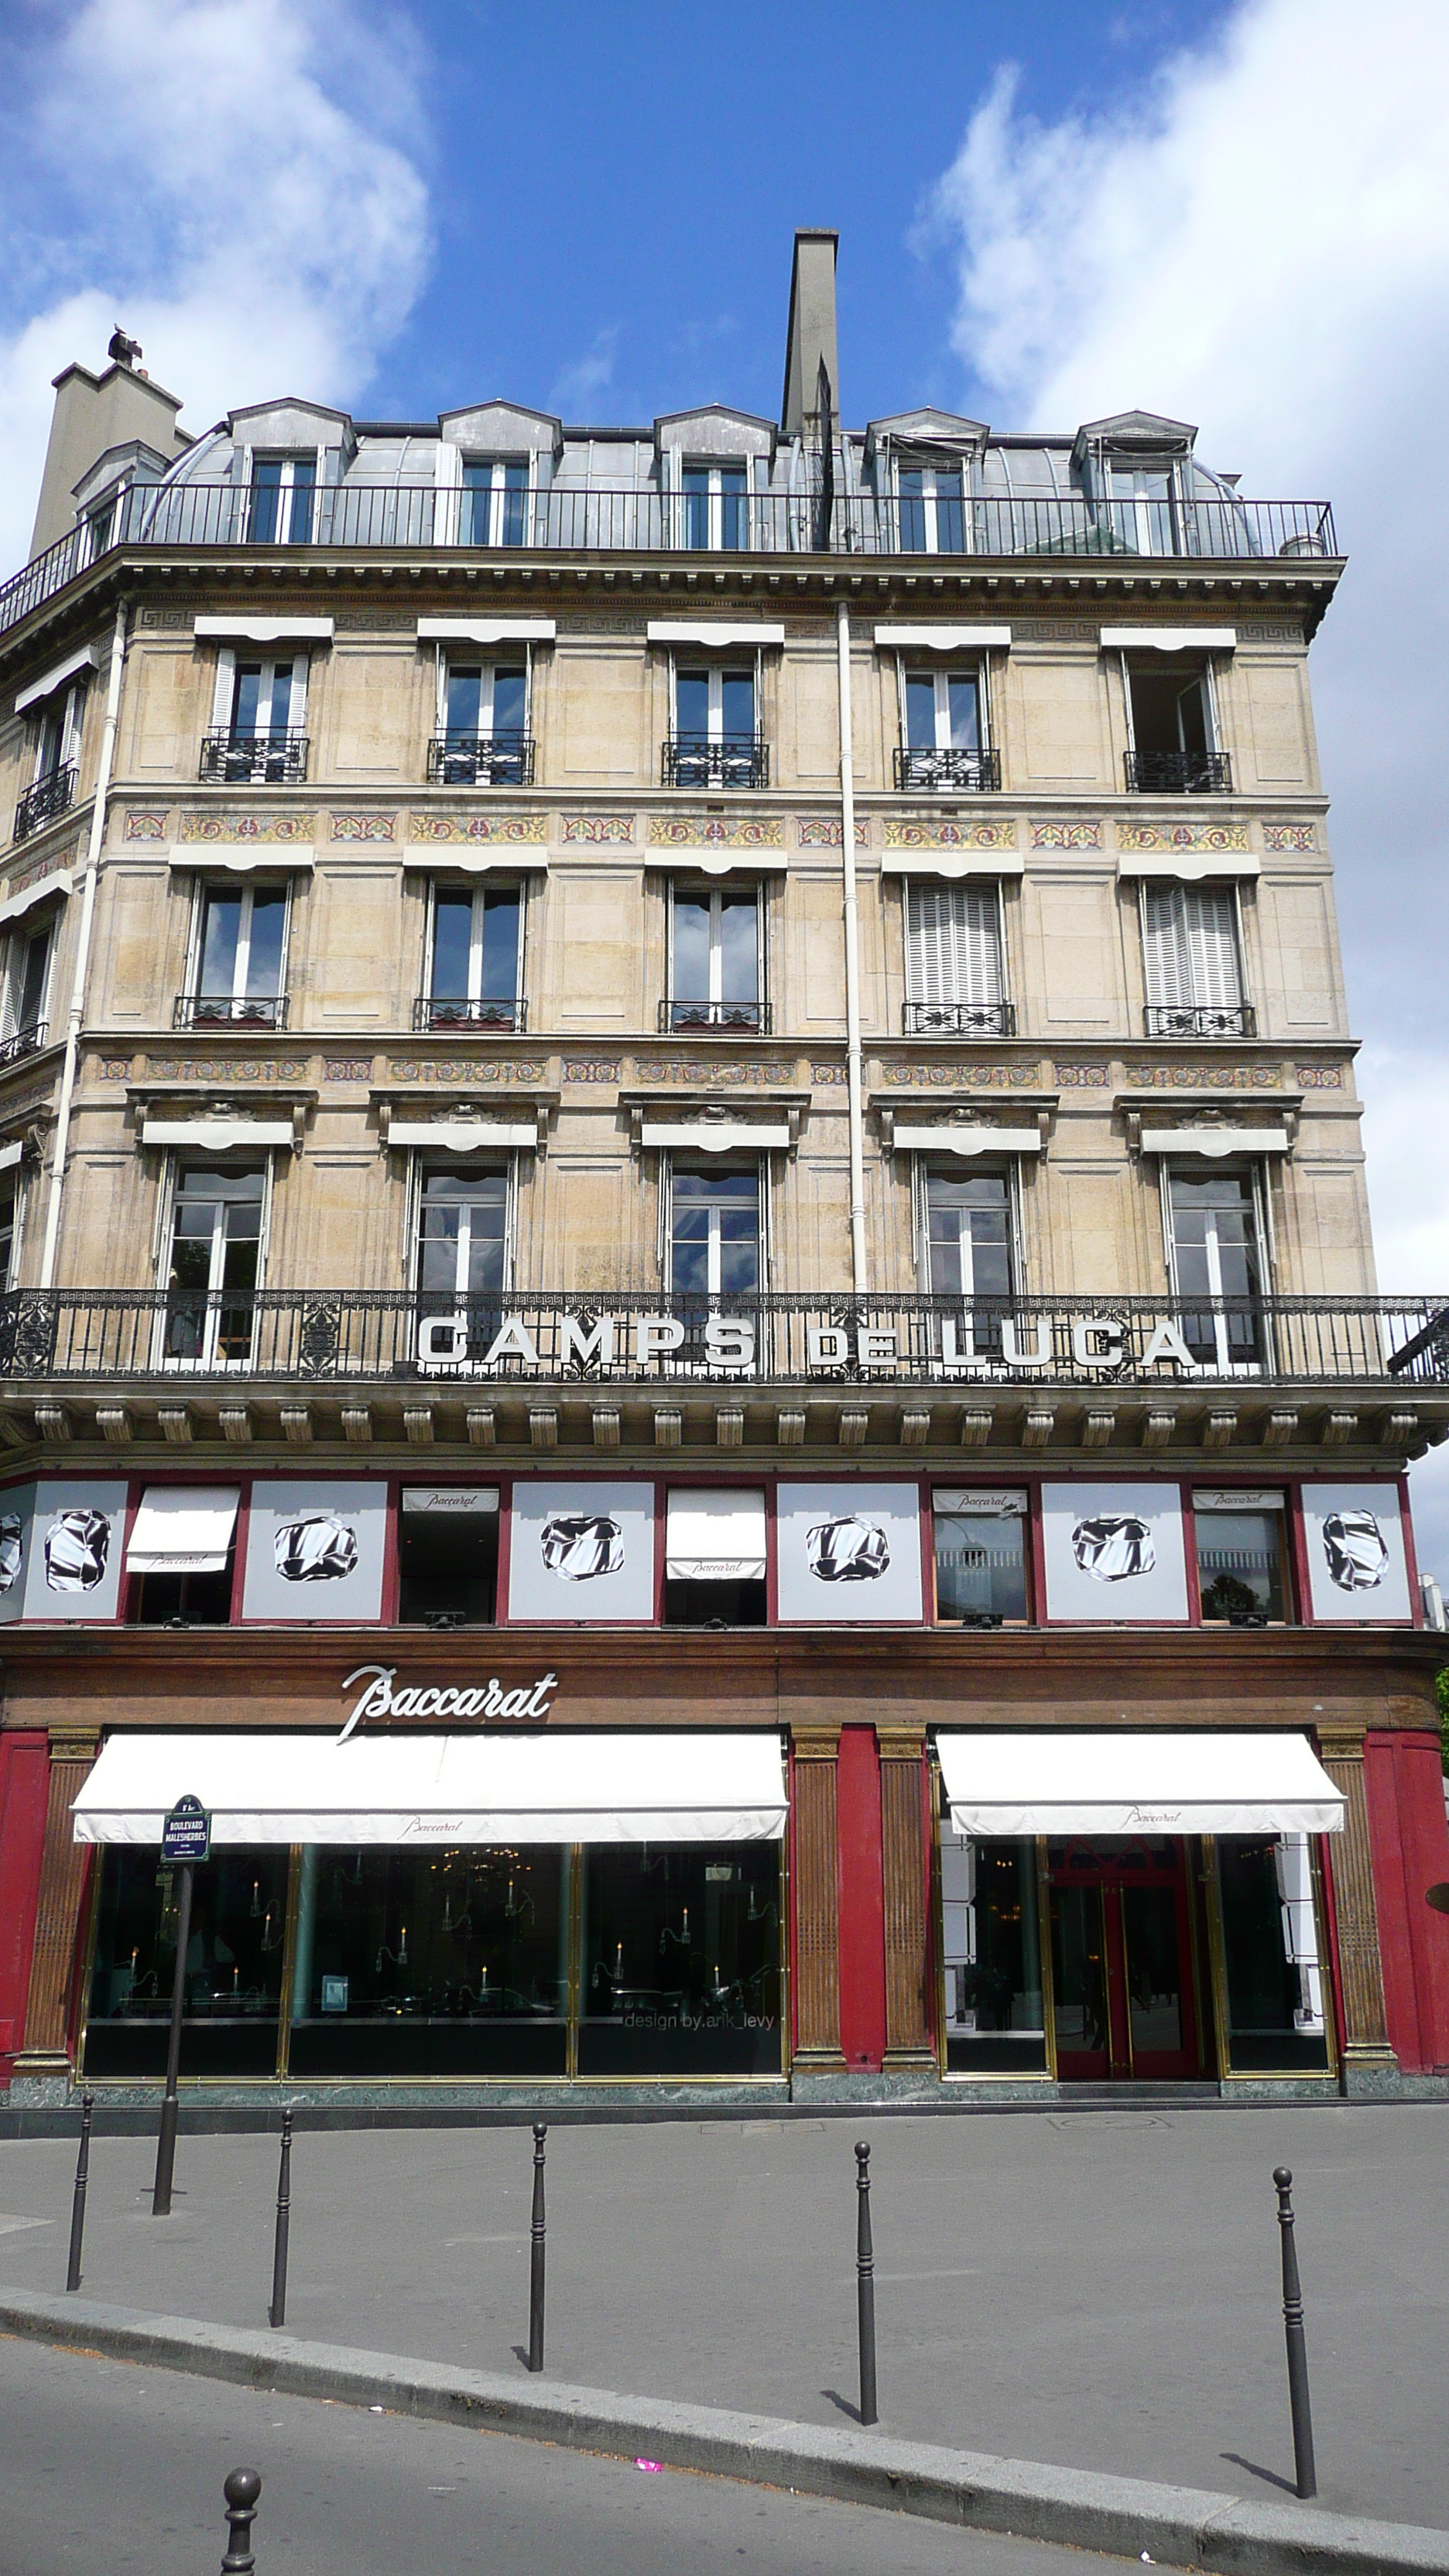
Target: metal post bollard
{"points": [[78, 2204], [166, 2137], [1304, 2471], [537, 2233], [865, 2286], [241, 2492], [277, 2312]]}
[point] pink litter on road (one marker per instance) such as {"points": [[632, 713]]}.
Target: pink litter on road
{"points": [[655, 2468]]}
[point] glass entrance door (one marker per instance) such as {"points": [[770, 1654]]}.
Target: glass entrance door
{"points": [[1121, 1961]]}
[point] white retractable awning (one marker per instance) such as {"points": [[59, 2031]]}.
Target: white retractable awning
{"points": [[463, 1135], [1171, 639], [265, 630], [713, 634], [1213, 1143], [965, 1140], [486, 630], [59, 882], [699, 859], [714, 1535], [718, 1136], [87, 658], [1137, 1784], [935, 638], [684, 1788], [951, 863], [1188, 867], [182, 1529], [444, 859], [216, 1135], [244, 858]]}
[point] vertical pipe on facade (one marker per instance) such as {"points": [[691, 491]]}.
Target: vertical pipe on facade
{"points": [[83, 949], [852, 958]]}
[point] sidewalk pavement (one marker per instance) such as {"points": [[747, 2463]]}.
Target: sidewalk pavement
{"points": [[1095, 2290]]}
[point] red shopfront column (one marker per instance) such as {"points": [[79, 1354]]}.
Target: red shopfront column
{"points": [[24, 1777], [1409, 1844], [862, 1901]]}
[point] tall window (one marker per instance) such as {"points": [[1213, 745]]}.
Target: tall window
{"points": [[213, 1267], [58, 736], [1217, 1257], [715, 507], [259, 738], [714, 967], [495, 501], [462, 1234], [715, 741], [714, 1234], [474, 977], [241, 943], [283, 500], [483, 740], [1191, 963], [932, 510], [1143, 518], [953, 960], [1174, 751], [968, 1234], [27, 984], [9, 1228]]}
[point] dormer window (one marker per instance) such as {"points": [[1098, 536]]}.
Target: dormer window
{"points": [[283, 499], [495, 501], [715, 512], [932, 503], [1143, 500]]}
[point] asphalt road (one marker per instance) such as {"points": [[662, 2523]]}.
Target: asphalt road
{"points": [[107, 2465]]}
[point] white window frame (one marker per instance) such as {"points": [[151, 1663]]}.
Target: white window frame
{"points": [[478, 894], [1231, 886], [1212, 734], [16, 951], [64, 726], [497, 493], [10, 1272], [206, 888], [716, 669], [911, 889], [223, 707], [930, 498], [1143, 504], [288, 459], [450, 659], [418, 1161], [1262, 1223], [923, 1172], [716, 896], [715, 468], [207, 1360], [760, 1164]]}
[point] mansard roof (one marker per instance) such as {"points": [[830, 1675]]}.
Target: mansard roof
{"points": [[715, 429], [1135, 429], [500, 426]]}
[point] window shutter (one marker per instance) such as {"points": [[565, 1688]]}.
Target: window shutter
{"points": [[1213, 947], [1165, 951], [953, 944], [297, 714]]}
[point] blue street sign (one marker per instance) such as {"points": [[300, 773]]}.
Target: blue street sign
{"points": [[186, 1834]]}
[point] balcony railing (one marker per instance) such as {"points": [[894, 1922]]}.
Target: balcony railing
{"points": [[751, 1016], [229, 1011], [498, 1011], [51, 795], [1200, 1020], [738, 760], [230, 759], [1179, 773], [972, 771], [481, 760], [21, 1043], [1378, 1347], [959, 1019]]}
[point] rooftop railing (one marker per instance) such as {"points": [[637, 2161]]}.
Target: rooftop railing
{"points": [[411, 519], [1380, 1348]]}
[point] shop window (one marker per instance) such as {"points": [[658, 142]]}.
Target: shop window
{"points": [[1271, 1954], [714, 960], [714, 1232], [448, 1555], [1240, 1549], [714, 1558], [995, 2016], [980, 1557], [181, 1555], [954, 981], [1215, 1240], [681, 1960], [213, 1267], [473, 978], [241, 941], [1192, 966], [431, 1962], [283, 499], [495, 501], [233, 1964]]}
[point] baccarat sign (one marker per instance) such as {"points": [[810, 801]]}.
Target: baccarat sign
{"points": [[383, 1698]]}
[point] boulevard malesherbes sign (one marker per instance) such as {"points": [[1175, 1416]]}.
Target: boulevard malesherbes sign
{"points": [[381, 1697], [786, 1339]]}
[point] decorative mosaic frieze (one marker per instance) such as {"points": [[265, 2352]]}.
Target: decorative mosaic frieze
{"points": [[944, 835], [220, 1072], [737, 1071], [817, 832], [1082, 1077], [373, 621], [115, 1068], [347, 1068], [363, 827], [960, 1077], [247, 827], [50, 864], [507, 828], [827, 1073], [607, 831], [1066, 836], [467, 1072], [1319, 1077], [1290, 836], [589, 1068], [708, 832], [1182, 836], [1179, 1076], [145, 827]]}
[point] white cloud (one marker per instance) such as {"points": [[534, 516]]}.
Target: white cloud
{"points": [[1258, 241], [574, 389], [235, 180]]}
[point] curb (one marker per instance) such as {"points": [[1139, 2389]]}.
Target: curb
{"points": [[976, 2491]]}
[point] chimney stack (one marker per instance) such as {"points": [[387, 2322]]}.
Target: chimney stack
{"points": [[810, 333]]}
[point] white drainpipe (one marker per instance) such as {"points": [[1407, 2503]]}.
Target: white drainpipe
{"points": [[853, 1074]]}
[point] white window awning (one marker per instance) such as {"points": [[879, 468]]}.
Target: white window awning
{"points": [[59, 882], [931, 637], [1171, 639], [243, 858], [1213, 1143], [473, 1788], [11, 1154], [443, 859], [216, 1135], [182, 1529], [965, 1140], [714, 1535], [462, 1135], [713, 634], [486, 630], [715, 1136], [1223, 1783], [86, 659], [951, 863], [701, 860], [265, 630], [1188, 867]]}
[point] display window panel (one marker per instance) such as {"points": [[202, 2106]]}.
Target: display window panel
{"points": [[73, 1568], [980, 1545], [315, 1550], [234, 1957], [1271, 1954], [447, 1545], [1113, 1552], [991, 1953], [1242, 1577], [17, 1520], [450, 1962], [681, 1964], [1357, 1568], [581, 1550], [848, 1553]]}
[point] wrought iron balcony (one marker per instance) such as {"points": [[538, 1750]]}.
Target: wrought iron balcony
{"points": [[973, 771], [481, 760], [1200, 1020], [229, 1011], [21, 1043], [499, 1011], [1179, 773], [738, 760], [51, 795], [959, 1019], [753, 1017], [230, 759]]}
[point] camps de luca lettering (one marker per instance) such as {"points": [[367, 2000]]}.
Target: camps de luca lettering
{"points": [[555, 1343], [485, 1699]]}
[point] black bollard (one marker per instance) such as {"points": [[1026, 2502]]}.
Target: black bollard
{"points": [[78, 2204], [1305, 2474], [537, 2232], [241, 2492], [865, 2286], [277, 2312], [166, 2138]]}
